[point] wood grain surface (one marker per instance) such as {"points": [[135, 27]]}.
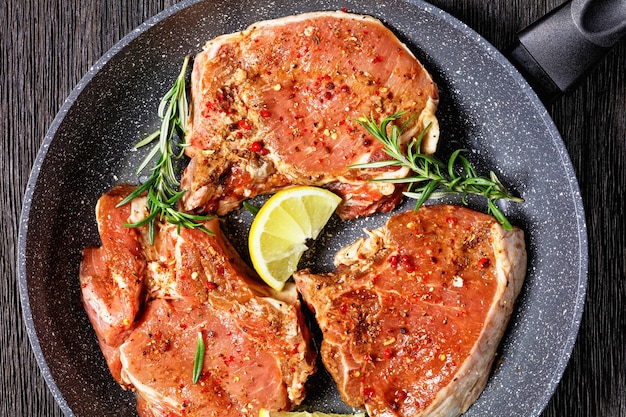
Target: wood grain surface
{"points": [[48, 45]]}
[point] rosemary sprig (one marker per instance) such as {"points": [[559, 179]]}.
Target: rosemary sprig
{"points": [[198, 360], [162, 186], [432, 177]]}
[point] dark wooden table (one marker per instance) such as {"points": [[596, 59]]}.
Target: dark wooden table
{"points": [[48, 45]]}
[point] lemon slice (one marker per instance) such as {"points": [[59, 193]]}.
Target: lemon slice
{"points": [[266, 413], [281, 228]]}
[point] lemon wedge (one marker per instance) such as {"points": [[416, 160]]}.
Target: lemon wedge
{"points": [[266, 413], [281, 228]]}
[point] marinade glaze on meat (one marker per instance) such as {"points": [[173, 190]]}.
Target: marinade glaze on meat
{"points": [[148, 303], [274, 105], [413, 314]]}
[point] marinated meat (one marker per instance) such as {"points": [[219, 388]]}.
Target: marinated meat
{"points": [[148, 303], [413, 314], [111, 281], [275, 105]]}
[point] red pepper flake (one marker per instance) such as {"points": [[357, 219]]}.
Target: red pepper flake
{"points": [[400, 395], [344, 9], [483, 262], [264, 151], [220, 270], [377, 59], [368, 394], [451, 221], [256, 146], [210, 105], [264, 113], [244, 124], [376, 279], [387, 353], [211, 285], [343, 308], [393, 260], [367, 357], [407, 263]]}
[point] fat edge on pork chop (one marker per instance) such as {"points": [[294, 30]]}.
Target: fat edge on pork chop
{"points": [[412, 316], [148, 304], [276, 105]]}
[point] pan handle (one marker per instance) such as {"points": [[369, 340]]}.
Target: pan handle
{"points": [[558, 50]]}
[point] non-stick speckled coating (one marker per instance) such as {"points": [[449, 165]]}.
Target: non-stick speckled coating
{"points": [[485, 106]]}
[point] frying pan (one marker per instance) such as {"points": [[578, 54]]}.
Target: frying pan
{"points": [[486, 106]]}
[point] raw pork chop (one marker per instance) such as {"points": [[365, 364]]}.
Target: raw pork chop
{"points": [[274, 105], [413, 314], [148, 303]]}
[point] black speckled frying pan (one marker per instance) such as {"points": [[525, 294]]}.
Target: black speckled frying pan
{"points": [[486, 106]]}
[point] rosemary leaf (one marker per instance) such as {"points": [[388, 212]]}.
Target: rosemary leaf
{"points": [[162, 186], [148, 139], [198, 360], [378, 164], [252, 209], [433, 178]]}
